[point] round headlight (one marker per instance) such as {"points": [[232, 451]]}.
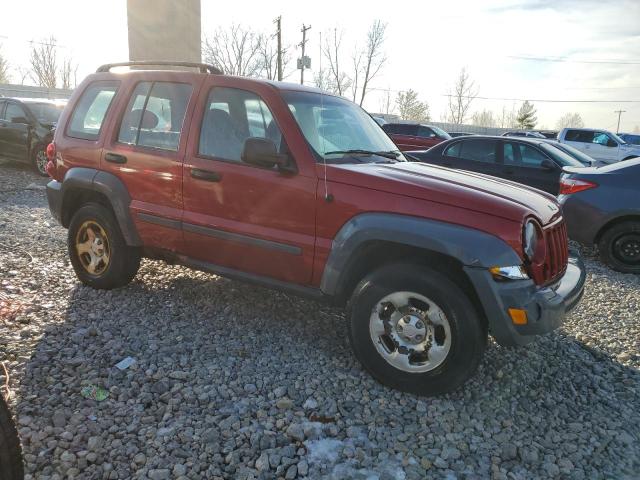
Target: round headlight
{"points": [[530, 239]]}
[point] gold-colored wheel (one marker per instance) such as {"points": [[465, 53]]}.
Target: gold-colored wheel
{"points": [[92, 246]]}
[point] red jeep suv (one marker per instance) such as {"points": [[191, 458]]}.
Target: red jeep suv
{"points": [[290, 187]]}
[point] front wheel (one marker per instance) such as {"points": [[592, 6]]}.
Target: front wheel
{"points": [[619, 247], [415, 330]]}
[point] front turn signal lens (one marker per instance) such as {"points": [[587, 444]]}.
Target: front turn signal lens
{"points": [[518, 316]]}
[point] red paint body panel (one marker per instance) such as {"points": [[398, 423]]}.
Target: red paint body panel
{"points": [[250, 201], [409, 142], [273, 223]]}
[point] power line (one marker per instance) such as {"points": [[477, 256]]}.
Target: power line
{"points": [[540, 100], [569, 60]]}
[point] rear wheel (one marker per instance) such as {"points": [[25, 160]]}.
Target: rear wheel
{"points": [[10, 452], [40, 160], [415, 330], [619, 247], [98, 252]]}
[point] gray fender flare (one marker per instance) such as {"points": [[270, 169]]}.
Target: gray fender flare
{"points": [[111, 187], [473, 248]]}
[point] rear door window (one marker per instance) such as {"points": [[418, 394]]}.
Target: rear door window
{"points": [[583, 136], [14, 112], [155, 114], [521, 155], [90, 111], [425, 132], [478, 150], [411, 130]]}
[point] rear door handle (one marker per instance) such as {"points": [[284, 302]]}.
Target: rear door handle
{"points": [[206, 175], [115, 158]]}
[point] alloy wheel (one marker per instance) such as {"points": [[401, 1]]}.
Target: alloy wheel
{"points": [[92, 246]]}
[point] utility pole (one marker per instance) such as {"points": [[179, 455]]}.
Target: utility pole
{"points": [[619, 112], [304, 41], [279, 58]]}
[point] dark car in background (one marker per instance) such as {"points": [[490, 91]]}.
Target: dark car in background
{"points": [[602, 207], [520, 133], [415, 136], [26, 128], [631, 138], [529, 161], [582, 157], [461, 134]]}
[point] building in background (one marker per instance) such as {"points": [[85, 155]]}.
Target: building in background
{"points": [[164, 30]]}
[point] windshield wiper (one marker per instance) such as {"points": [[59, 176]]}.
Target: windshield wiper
{"points": [[387, 154]]}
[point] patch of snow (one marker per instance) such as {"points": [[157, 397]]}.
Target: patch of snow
{"points": [[325, 450]]}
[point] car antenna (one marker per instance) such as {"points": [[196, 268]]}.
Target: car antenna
{"points": [[327, 197]]}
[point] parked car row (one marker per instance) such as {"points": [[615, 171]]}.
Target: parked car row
{"points": [[26, 128]]}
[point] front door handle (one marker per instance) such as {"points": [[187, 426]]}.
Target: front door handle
{"points": [[508, 171], [206, 175], [115, 158]]}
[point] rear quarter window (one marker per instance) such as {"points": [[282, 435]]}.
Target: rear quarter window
{"points": [[91, 109]]}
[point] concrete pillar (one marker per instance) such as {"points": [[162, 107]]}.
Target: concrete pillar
{"points": [[164, 30]]}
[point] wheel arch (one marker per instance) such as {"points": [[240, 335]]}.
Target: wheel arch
{"points": [[369, 241], [83, 185], [615, 221]]}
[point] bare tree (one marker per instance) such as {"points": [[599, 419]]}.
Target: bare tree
{"points": [[567, 120], [385, 104], [236, 51], [267, 58], [508, 117], [357, 59], [373, 55], [483, 118], [411, 108], [23, 74], [44, 62], [464, 91], [4, 69], [338, 81], [68, 73], [321, 79]]}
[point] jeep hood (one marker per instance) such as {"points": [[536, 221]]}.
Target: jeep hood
{"points": [[468, 190]]}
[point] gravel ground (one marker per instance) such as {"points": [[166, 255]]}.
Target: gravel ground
{"points": [[235, 381]]}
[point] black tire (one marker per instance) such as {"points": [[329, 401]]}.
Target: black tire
{"points": [[37, 160], [619, 246], [468, 335], [11, 467], [124, 260]]}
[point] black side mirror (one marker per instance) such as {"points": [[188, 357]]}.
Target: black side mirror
{"points": [[548, 165], [20, 120], [612, 143], [262, 152]]}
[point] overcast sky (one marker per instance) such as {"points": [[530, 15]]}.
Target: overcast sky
{"points": [[583, 49]]}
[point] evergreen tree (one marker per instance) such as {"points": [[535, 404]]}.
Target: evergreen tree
{"points": [[526, 118]]}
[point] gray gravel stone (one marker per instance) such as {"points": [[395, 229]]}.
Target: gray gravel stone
{"points": [[235, 381]]}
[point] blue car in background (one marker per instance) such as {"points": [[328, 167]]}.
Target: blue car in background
{"points": [[601, 206], [632, 138]]}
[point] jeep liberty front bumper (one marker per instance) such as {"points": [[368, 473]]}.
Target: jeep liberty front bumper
{"points": [[546, 307]]}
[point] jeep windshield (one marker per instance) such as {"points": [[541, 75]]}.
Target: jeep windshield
{"points": [[339, 131]]}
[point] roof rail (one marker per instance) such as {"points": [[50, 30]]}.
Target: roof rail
{"points": [[203, 67]]}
